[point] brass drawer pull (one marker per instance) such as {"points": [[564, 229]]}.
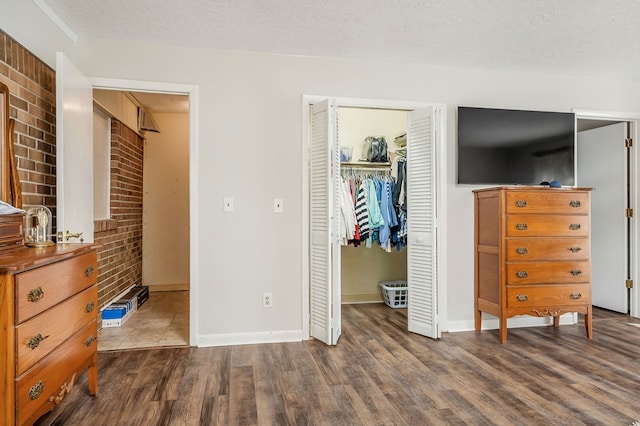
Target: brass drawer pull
{"points": [[575, 296], [88, 271], [575, 249], [36, 390], [574, 226], [89, 341], [35, 341], [576, 272], [521, 226], [36, 294], [521, 203], [6, 244], [90, 306], [522, 250], [522, 297], [575, 203], [522, 274]]}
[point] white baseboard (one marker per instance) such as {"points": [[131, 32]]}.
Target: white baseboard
{"points": [[168, 287], [229, 339], [514, 322]]}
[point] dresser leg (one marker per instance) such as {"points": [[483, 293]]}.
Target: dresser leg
{"points": [[588, 324], [503, 329], [92, 376], [478, 320], [556, 321]]}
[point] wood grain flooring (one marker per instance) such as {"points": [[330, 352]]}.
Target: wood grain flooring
{"points": [[378, 374]]}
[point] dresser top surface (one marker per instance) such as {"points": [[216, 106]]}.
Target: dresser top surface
{"points": [[30, 257], [531, 188]]}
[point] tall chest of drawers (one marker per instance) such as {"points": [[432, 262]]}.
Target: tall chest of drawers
{"points": [[48, 327], [532, 254]]}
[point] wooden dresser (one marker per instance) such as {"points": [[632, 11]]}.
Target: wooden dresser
{"points": [[48, 327], [532, 253]]}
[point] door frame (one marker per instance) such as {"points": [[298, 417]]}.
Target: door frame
{"points": [[634, 176], [192, 92], [441, 196]]}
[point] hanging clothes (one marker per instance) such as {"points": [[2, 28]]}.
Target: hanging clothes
{"points": [[388, 214], [400, 201], [347, 214], [362, 212], [372, 210]]}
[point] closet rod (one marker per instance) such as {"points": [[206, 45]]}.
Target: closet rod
{"points": [[365, 165]]}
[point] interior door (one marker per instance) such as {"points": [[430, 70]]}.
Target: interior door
{"points": [[422, 312], [602, 165], [74, 152], [324, 265]]}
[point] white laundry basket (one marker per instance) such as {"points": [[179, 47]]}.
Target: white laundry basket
{"points": [[395, 293]]}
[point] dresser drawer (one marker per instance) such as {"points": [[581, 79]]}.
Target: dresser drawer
{"points": [[545, 201], [548, 249], [547, 225], [46, 378], [38, 336], [41, 288], [548, 296], [523, 273]]}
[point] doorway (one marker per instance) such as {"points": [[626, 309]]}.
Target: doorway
{"points": [[164, 89], [606, 162], [150, 159], [321, 183]]}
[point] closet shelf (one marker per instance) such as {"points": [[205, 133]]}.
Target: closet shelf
{"points": [[364, 164]]}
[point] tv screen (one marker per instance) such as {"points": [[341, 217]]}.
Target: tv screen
{"points": [[507, 147]]}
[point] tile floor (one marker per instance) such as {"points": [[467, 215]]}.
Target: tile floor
{"points": [[163, 320]]}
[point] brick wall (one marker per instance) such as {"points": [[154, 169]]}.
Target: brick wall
{"points": [[33, 105], [120, 259]]}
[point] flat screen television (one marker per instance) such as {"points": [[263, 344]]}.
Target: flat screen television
{"points": [[515, 147]]}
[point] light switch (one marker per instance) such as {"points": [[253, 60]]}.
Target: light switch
{"points": [[228, 204], [278, 205]]}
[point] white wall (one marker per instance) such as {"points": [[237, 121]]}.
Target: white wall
{"points": [[28, 25], [249, 147], [165, 204]]}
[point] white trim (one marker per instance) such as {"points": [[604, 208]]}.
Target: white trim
{"points": [[441, 176], [513, 322], [608, 115], [118, 297], [56, 19], [634, 119], [306, 137], [233, 339], [192, 91]]}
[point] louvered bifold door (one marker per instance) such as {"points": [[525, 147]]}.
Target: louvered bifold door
{"points": [[320, 256], [422, 311]]}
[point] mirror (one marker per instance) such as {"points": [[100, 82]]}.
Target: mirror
{"points": [[5, 166], [10, 191]]}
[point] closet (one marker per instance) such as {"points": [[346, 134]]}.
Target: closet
{"points": [[425, 174], [364, 266]]}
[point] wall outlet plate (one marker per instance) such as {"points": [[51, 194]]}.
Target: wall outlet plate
{"points": [[267, 300]]}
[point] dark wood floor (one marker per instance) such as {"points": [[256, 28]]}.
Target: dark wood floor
{"points": [[378, 374]]}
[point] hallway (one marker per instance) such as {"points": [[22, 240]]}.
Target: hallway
{"points": [[161, 321]]}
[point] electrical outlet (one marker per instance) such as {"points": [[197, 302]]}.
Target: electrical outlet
{"points": [[267, 300]]}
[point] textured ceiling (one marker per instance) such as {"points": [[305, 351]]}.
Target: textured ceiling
{"points": [[566, 36]]}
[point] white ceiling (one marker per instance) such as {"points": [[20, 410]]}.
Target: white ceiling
{"points": [[560, 36]]}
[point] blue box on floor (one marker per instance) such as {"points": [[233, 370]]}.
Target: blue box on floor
{"points": [[114, 312]]}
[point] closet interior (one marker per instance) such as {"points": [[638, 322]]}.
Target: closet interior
{"points": [[365, 264]]}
